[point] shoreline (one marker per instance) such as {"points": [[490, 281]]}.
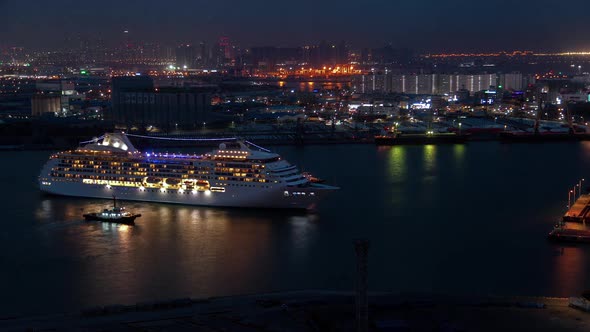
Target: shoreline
{"points": [[309, 142], [320, 310]]}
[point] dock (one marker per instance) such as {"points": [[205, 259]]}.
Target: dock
{"points": [[579, 211]]}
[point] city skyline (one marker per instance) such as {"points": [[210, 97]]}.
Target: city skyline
{"points": [[423, 25]]}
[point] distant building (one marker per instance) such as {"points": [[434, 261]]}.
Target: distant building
{"points": [[186, 57], [45, 104], [511, 81], [137, 103], [203, 58], [426, 84], [63, 88], [123, 84]]}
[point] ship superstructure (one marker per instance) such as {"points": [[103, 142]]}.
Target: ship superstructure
{"points": [[234, 175]]}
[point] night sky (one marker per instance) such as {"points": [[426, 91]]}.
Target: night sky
{"points": [[427, 25]]}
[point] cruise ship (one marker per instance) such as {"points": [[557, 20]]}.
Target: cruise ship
{"points": [[237, 174]]}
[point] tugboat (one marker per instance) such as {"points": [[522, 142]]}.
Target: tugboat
{"points": [[115, 215]]}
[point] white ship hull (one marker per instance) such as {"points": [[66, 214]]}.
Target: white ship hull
{"points": [[233, 197], [228, 177]]}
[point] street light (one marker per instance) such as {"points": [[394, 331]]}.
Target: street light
{"points": [[580, 186], [569, 199]]}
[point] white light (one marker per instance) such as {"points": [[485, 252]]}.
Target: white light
{"points": [[208, 192], [108, 186], [181, 191], [194, 192], [163, 190], [142, 188]]}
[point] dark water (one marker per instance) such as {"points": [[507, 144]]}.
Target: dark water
{"points": [[451, 219]]}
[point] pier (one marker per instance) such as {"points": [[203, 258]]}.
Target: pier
{"points": [[579, 211]]}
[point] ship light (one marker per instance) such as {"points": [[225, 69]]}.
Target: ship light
{"points": [[208, 192], [194, 192], [108, 186], [181, 190], [142, 188], [163, 190]]}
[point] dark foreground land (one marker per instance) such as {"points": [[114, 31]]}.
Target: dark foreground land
{"points": [[319, 311]]}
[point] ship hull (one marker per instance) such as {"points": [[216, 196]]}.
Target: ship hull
{"points": [[542, 138], [411, 139], [273, 198], [121, 220]]}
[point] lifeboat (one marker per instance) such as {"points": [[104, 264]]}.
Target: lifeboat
{"points": [[172, 182], [202, 185], [152, 182]]}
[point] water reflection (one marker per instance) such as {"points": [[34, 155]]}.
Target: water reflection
{"points": [[459, 154], [397, 163], [569, 270], [172, 249], [303, 231], [429, 158]]}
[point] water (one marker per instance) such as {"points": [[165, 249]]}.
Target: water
{"points": [[468, 219]]}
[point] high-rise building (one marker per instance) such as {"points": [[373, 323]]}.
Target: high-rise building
{"points": [[511, 81], [203, 58], [342, 52], [225, 52], [186, 57], [430, 84]]}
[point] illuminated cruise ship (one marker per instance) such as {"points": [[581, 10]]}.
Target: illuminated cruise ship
{"points": [[235, 175]]}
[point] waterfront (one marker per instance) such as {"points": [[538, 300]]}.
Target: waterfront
{"points": [[467, 219]]}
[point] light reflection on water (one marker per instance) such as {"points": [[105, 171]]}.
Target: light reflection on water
{"points": [[429, 160], [459, 155], [468, 219], [170, 248], [397, 163], [570, 269]]}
